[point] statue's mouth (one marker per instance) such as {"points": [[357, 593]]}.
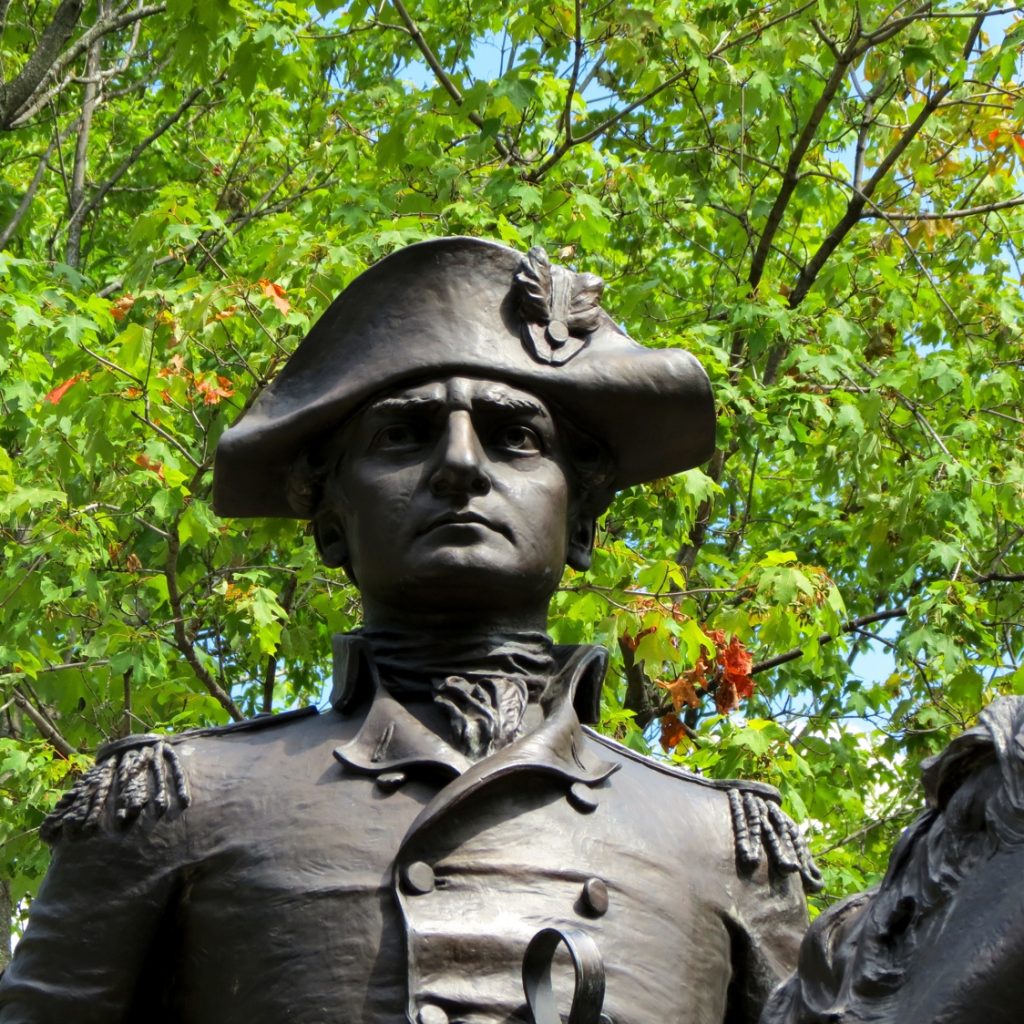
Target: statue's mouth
{"points": [[464, 518]]}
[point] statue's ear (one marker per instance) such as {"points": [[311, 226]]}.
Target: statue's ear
{"points": [[330, 539], [581, 542]]}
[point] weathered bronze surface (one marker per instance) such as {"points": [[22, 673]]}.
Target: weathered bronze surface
{"points": [[941, 940], [447, 842]]}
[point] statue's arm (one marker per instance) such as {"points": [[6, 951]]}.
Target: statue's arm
{"points": [[768, 915], [95, 928], [768, 925]]}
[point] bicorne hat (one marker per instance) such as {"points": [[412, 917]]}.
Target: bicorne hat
{"points": [[466, 307]]}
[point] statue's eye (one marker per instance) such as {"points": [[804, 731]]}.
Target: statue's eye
{"points": [[515, 437], [397, 436]]}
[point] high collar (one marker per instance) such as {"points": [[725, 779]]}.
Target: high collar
{"points": [[392, 739]]}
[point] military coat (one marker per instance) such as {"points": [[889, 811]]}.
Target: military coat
{"points": [[341, 868]]}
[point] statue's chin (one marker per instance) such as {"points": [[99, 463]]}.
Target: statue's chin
{"points": [[464, 588]]}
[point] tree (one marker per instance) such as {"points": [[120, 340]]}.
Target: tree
{"points": [[823, 202]]}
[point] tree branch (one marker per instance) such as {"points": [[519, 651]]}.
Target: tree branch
{"points": [[636, 698], [440, 74], [859, 199], [47, 730], [287, 596], [968, 211], [791, 175], [85, 209], [90, 100], [14, 95], [30, 193], [827, 638], [15, 116], [577, 58], [181, 640], [604, 127]]}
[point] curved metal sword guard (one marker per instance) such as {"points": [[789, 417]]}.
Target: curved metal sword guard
{"points": [[588, 993]]}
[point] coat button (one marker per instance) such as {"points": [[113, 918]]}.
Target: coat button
{"points": [[418, 880], [390, 781], [582, 798], [431, 1013], [595, 896]]}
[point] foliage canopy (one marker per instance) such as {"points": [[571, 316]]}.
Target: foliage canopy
{"points": [[822, 201]]}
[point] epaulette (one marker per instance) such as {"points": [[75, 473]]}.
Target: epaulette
{"points": [[137, 771], [761, 829]]}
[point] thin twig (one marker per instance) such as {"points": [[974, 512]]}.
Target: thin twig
{"points": [[827, 638], [48, 731]]}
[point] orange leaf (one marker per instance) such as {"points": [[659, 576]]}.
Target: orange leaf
{"points": [[684, 689], [632, 642], [736, 659], [174, 368], [54, 396], [120, 309], [275, 293], [673, 731], [213, 392], [151, 464]]}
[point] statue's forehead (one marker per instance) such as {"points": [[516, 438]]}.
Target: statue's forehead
{"points": [[471, 393]]}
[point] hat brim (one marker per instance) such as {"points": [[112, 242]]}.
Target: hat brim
{"points": [[445, 308]]}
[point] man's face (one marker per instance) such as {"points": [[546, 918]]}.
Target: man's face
{"points": [[453, 493]]}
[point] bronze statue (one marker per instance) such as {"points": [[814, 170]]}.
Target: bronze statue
{"points": [[941, 939], [447, 842]]}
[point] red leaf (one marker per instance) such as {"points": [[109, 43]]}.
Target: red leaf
{"points": [[726, 699], [673, 731], [54, 396], [275, 293], [736, 665]]}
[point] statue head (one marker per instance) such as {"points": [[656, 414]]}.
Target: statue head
{"points": [[454, 424]]}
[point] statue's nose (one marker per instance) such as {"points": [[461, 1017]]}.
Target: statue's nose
{"points": [[459, 467]]}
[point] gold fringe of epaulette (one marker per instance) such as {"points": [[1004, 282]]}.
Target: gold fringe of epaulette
{"points": [[761, 827], [148, 770]]}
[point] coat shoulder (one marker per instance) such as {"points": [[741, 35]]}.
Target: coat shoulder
{"points": [[762, 832], [139, 772]]}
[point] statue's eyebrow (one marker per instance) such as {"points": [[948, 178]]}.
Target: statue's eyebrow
{"points": [[499, 402], [404, 403], [492, 402]]}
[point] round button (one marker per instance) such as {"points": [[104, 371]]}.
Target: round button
{"points": [[558, 333], [582, 798], [595, 896], [431, 1014], [418, 878], [390, 781]]}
